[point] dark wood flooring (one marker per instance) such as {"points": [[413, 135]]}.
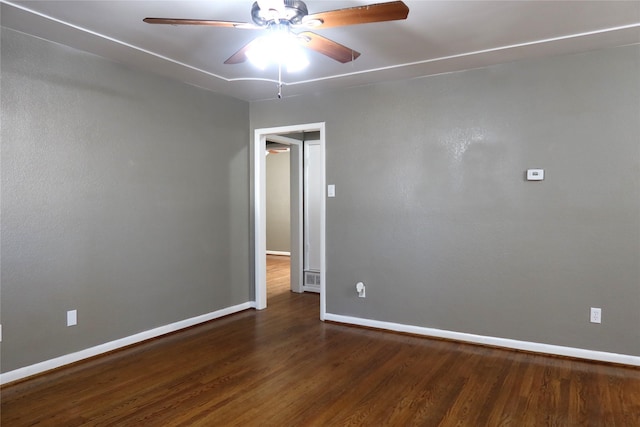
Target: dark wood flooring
{"points": [[283, 367]]}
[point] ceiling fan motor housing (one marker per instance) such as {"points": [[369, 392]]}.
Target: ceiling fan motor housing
{"points": [[294, 11]]}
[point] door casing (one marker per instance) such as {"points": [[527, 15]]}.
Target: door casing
{"points": [[259, 211]]}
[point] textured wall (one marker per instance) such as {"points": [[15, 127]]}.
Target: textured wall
{"points": [[433, 212], [124, 196], [278, 202]]}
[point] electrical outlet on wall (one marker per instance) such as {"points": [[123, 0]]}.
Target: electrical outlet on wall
{"points": [[596, 315]]}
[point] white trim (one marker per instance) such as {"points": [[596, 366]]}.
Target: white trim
{"points": [[260, 219], [323, 224], [558, 350], [57, 362], [281, 253], [299, 235], [259, 209]]}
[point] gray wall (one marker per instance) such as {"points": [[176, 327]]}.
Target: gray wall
{"points": [[278, 207], [124, 196], [433, 212]]}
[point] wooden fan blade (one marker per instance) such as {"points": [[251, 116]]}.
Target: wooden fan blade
{"points": [[327, 47], [241, 55], [379, 12], [210, 23]]}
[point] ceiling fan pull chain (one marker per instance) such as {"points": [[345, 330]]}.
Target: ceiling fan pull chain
{"points": [[279, 80]]}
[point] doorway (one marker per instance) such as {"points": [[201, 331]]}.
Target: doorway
{"points": [[279, 134]]}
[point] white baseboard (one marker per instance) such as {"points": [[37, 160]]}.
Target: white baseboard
{"points": [[279, 253], [492, 341], [57, 362]]}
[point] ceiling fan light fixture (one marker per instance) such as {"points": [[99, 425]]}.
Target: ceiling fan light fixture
{"points": [[295, 59], [278, 47]]}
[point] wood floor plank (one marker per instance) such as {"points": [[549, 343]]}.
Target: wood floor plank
{"points": [[284, 367]]}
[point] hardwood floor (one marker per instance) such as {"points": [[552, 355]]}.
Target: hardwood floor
{"points": [[283, 367]]}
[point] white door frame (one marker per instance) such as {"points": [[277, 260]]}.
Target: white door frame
{"points": [[260, 220]]}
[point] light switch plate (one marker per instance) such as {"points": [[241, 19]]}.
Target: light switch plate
{"points": [[331, 190], [535, 174], [72, 317]]}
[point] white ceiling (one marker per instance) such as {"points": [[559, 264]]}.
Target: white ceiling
{"points": [[437, 37]]}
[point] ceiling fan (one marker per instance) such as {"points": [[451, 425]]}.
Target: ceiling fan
{"points": [[281, 16]]}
